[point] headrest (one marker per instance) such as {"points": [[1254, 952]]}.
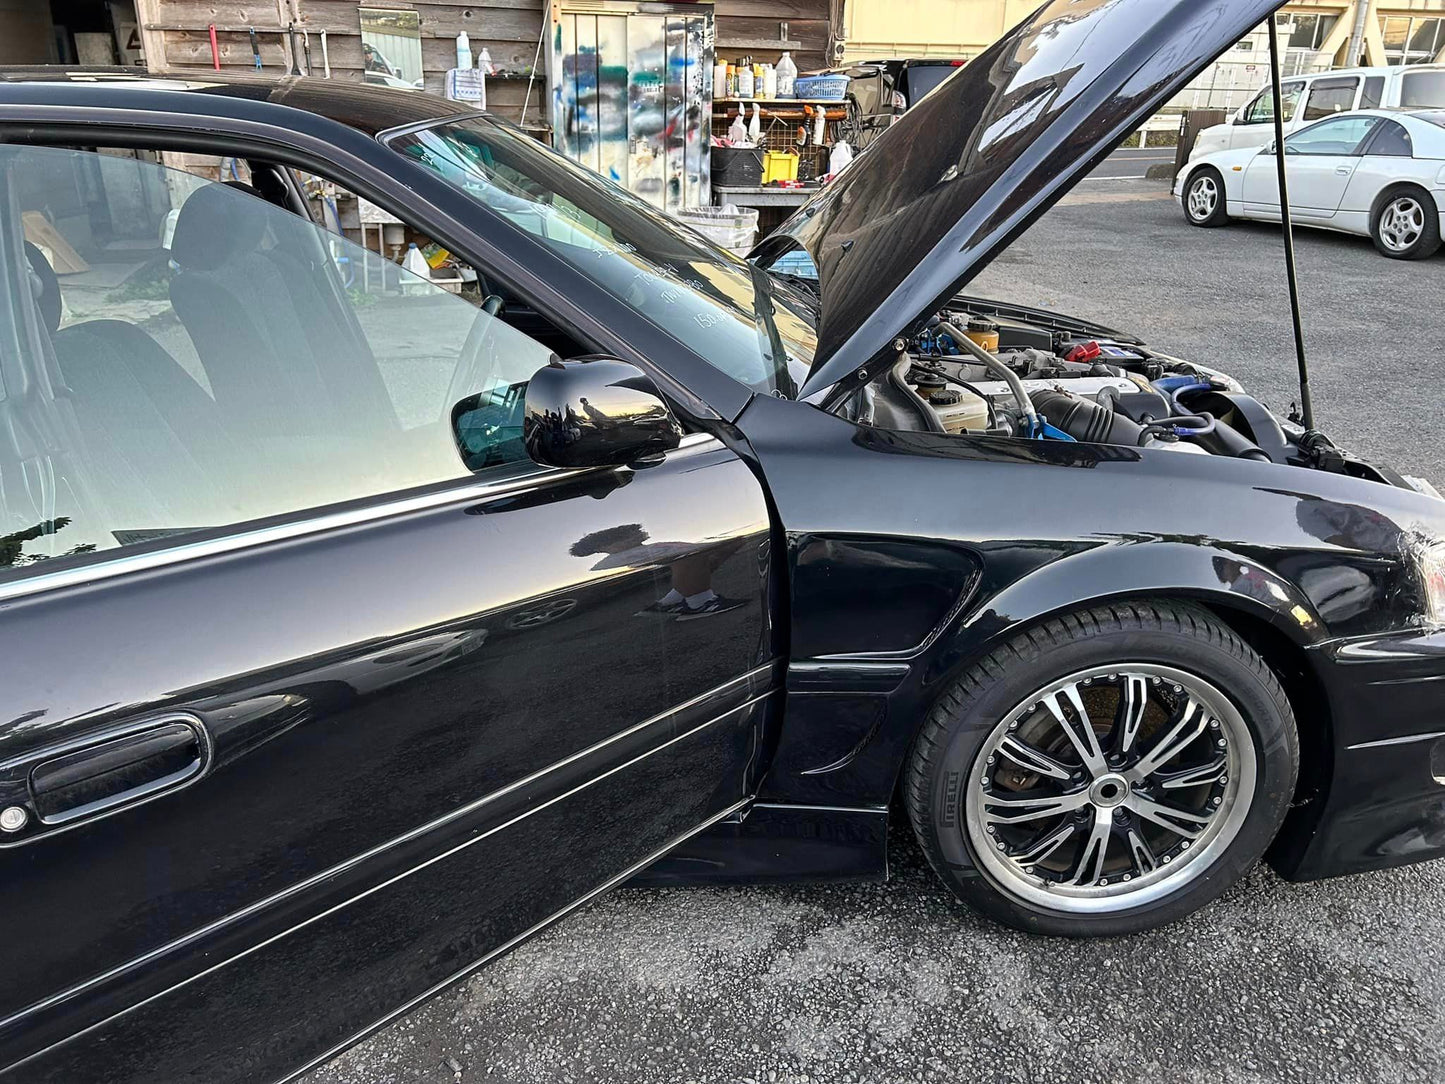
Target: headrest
{"points": [[218, 223], [45, 286]]}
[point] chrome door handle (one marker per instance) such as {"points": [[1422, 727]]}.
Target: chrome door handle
{"points": [[1344, 171], [87, 777]]}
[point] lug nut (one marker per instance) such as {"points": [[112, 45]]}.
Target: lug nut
{"points": [[13, 818]]}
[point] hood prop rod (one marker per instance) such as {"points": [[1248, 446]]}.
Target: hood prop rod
{"points": [[1307, 411]]}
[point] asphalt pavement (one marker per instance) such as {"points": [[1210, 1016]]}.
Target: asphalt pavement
{"points": [[1339, 981], [1132, 163]]}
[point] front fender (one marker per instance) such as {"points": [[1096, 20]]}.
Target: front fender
{"points": [[1028, 530], [1114, 571]]}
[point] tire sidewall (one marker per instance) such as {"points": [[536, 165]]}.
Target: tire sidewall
{"points": [[1427, 244], [1269, 722], [1217, 217]]}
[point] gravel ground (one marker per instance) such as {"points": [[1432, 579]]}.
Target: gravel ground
{"points": [[1336, 981]]}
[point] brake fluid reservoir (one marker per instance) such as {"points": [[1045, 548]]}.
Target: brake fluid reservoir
{"points": [[959, 411], [984, 333]]}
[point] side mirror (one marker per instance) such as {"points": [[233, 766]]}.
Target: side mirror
{"points": [[596, 412]]}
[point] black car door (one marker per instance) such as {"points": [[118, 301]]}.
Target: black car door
{"points": [[301, 718]]}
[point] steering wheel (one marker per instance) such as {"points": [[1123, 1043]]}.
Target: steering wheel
{"points": [[479, 362]]}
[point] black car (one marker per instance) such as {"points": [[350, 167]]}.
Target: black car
{"points": [[351, 635]]}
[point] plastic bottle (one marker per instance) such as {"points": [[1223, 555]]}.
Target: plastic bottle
{"points": [[745, 80], [415, 262], [820, 122], [737, 132], [464, 51], [732, 82], [755, 126], [720, 79], [770, 81], [787, 77]]}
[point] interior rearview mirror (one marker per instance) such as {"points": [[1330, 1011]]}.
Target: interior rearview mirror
{"points": [[596, 412]]}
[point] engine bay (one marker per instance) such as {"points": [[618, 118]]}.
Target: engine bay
{"points": [[989, 370]]}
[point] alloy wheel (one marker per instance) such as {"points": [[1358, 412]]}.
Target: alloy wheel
{"points": [[1110, 788], [1203, 198], [1402, 224]]}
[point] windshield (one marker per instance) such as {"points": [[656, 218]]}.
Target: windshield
{"points": [[719, 306], [1423, 89]]}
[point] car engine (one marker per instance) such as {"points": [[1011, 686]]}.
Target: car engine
{"points": [[992, 370]]}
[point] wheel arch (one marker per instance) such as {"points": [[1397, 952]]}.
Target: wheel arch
{"points": [[1272, 616], [1398, 186]]}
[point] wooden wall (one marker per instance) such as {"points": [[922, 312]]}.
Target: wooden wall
{"points": [[176, 36], [753, 27], [509, 29]]}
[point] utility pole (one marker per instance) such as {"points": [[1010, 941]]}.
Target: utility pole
{"points": [[1363, 8]]}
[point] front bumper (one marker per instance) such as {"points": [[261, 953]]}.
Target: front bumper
{"points": [[1378, 799]]}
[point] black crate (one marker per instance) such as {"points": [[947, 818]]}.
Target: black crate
{"points": [[737, 167]]}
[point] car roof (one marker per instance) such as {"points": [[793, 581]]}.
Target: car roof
{"points": [[1393, 69], [366, 108]]}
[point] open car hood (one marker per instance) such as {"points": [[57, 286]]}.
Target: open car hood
{"points": [[975, 163]]}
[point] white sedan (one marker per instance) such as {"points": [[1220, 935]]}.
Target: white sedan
{"points": [[1375, 172]]}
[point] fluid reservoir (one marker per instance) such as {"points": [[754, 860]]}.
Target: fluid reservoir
{"points": [[959, 411], [984, 333]]}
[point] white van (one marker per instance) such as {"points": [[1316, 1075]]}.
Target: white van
{"points": [[1310, 98]]}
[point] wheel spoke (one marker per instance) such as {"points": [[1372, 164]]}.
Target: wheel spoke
{"points": [[1133, 700], [1079, 730], [1035, 760], [1095, 851], [1041, 849], [1193, 721], [1193, 777], [1179, 821], [1141, 853], [1018, 810]]}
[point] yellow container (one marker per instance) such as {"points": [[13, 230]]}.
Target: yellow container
{"points": [[780, 166]]}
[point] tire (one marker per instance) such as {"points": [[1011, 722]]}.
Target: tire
{"points": [[1204, 198], [1405, 224], [1168, 847]]}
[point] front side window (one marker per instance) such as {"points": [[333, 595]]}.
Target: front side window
{"points": [[719, 306], [203, 357], [1341, 136], [1261, 110], [1331, 96]]}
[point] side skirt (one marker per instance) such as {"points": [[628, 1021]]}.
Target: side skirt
{"points": [[779, 844]]}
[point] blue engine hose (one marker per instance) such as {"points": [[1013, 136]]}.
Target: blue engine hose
{"points": [[1172, 387]]}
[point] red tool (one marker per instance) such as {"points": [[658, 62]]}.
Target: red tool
{"points": [[215, 50]]}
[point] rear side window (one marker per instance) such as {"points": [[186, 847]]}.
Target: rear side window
{"points": [[1374, 92], [1330, 96], [202, 357], [1423, 90], [1392, 141]]}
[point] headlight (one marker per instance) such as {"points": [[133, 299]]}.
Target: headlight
{"points": [[1432, 567]]}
